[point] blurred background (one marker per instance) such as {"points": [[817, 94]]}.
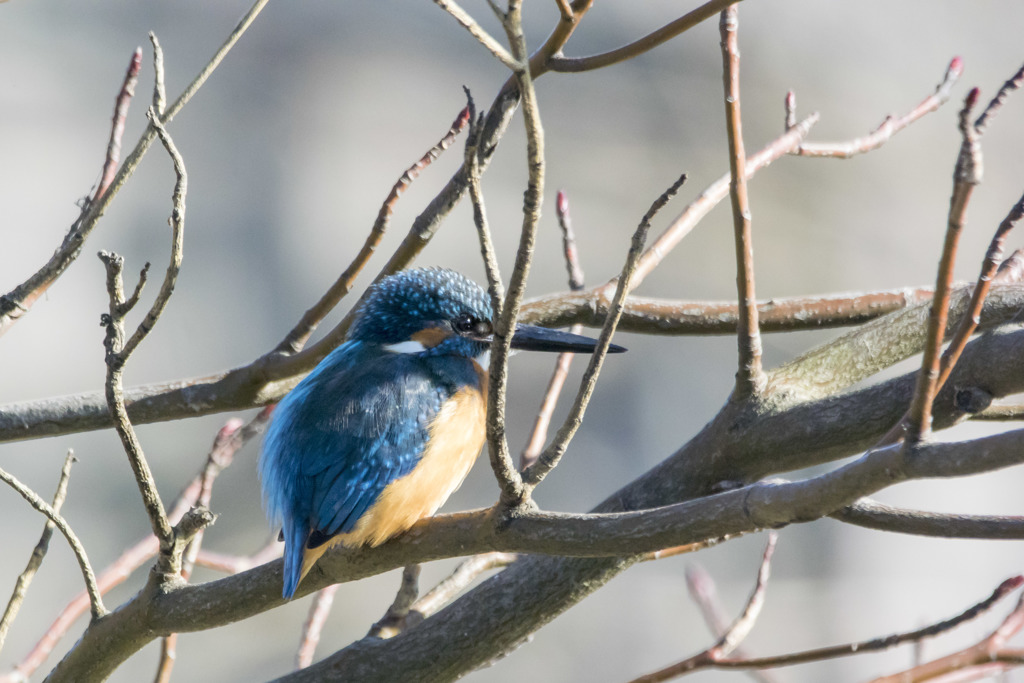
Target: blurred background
{"points": [[298, 137]]}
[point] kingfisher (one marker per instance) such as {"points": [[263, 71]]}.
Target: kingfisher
{"points": [[387, 426]]}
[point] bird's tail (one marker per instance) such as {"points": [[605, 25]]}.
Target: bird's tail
{"points": [[295, 535]]}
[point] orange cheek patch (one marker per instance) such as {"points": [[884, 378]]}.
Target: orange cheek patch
{"points": [[431, 336]]}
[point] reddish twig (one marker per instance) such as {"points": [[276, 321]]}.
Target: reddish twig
{"points": [[750, 378], [235, 564], [319, 610], [547, 408], [988, 657], [703, 592], [298, 336], [972, 318], [18, 301], [701, 661], [965, 177], [124, 98], [1014, 83], [640, 46], [889, 127], [731, 636], [740, 629]]}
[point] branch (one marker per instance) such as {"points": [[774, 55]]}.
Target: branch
{"points": [[889, 127], [394, 620], [513, 493], [15, 304], [750, 378], [638, 47], [874, 515], [965, 177], [38, 553], [484, 38], [319, 610], [732, 636], [539, 434], [989, 656], [547, 461], [648, 315], [18, 301], [119, 350], [703, 592], [144, 550], [96, 602], [611, 536], [495, 288]]}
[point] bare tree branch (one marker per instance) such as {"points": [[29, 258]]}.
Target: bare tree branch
{"points": [[38, 553]]}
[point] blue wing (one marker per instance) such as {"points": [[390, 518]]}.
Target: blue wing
{"points": [[359, 421]]}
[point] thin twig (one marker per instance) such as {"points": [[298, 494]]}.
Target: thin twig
{"points": [[547, 461], [159, 87], [965, 177], [513, 493], [444, 592], [640, 46], [18, 301], [889, 127], [319, 610], [471, 163], [119, 350], [1014, 83], [740, 629], [394, 620], [703, 592], [236, 564], [702, 661], [539, 435], [972, 318], [984, 659], [130, 560], [124, 99], [477, 31], [95, 600], [750, 378], [38, 553], [228, 440], [299, 335]]}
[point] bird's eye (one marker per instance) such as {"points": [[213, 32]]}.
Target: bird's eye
{"points": [[469, 325], [465, 323]]}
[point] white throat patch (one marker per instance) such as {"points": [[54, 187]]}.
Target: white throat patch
{"points": [[410, 346]]}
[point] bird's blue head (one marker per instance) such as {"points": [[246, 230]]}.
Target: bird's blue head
{"points": [[434, 311]]}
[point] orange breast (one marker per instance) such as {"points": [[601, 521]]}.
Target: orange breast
{"points": [[456, 436]]}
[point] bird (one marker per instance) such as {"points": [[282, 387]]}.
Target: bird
{"points": [[386, 427]]}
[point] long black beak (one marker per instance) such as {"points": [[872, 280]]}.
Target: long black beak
{"points": [[531, 338]]}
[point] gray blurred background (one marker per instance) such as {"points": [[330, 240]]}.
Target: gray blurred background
{"points": [[292, 146]]}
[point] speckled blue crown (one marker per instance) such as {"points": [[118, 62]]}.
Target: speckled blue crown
{"points": [[406, 302]]}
